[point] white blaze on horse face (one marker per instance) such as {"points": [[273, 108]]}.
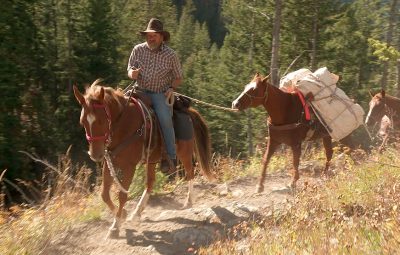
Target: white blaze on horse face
{"points": [[90, 119], [371, 107], [247, 88]]}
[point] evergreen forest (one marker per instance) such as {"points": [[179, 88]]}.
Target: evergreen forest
{"points": [[47, 46]]}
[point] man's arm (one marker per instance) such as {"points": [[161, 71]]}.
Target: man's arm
{"points": [[176, 72], [176, 83], [133, 68]]}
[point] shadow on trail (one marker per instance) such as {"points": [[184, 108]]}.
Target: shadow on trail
{"points": [[190, 235]]}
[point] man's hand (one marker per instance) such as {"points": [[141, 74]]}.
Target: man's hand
{"points": [[169, 92], [133, 73]]}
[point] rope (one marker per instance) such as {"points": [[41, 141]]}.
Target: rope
{"points": [[170, 99], [208, 104], [112, 172]]}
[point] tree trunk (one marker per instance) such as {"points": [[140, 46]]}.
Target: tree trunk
{"points": [[69, 45], [249, 114], [275, 43], [389, 39], [398, 67], [314, 40]]}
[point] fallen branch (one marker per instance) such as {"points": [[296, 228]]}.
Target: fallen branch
{"points": [[54, 169], [294, 61], [2, 174], [386, 164], [31, 202]]}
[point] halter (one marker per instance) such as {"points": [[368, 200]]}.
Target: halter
{"points": [[387, 110], [106, 136], [265, 97]]}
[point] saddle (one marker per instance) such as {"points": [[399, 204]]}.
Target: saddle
{"points": [[182, 121]]}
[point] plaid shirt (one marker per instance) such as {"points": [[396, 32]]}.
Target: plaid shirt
{"points": [[158, 68]]}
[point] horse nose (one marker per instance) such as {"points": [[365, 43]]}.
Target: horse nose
{"points": [[368, 121], [94, 157], [235, 105]]}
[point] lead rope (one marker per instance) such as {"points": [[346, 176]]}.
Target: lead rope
{"points": [[205, 103]]}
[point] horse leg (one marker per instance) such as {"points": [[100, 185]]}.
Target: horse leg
{"points": [[151, 177], [296, 152], [271, 147], [120, 214], [327, 141], [384, 141], [105, 193], [185, 151]]}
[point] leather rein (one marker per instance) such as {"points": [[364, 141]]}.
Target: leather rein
{"points": [[108, 134]]}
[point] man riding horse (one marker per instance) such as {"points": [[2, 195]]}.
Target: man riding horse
{"points": [[158, 72]]}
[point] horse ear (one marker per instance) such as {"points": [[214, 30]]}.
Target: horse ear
{"points": [[101, 95], [79, 96], [266, 78], [370, 93], [383, 93]]}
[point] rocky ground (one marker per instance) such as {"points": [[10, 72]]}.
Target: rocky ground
{"points": [[166, 229]]}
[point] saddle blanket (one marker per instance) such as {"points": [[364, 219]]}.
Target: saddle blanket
{"points": [[183, 125]]}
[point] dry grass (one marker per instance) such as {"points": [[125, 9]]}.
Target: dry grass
{"points": [[354, 212], [67, 200]]}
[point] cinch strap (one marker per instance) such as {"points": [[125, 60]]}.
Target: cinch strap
{"points": [[305, 105]]}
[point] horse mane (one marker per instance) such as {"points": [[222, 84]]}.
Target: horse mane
{"points": [[110, 94]]}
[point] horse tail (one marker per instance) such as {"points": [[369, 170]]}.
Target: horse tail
{"points": [[202, 143]]}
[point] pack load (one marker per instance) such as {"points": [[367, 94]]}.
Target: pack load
{"points": [[288, 82], [336, 111]]}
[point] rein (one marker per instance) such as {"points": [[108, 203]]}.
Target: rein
{"points": [[140, 132]]}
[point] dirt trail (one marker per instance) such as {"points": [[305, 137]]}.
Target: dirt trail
{"points": [[166, 229]]}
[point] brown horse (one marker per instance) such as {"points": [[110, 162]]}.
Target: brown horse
{"points": [[286, 123], [119, 129], [382, 105]]}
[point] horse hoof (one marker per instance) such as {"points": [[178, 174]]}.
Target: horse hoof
{"points": [[112, 233], [259, 189]]}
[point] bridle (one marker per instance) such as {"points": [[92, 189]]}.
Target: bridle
{"points": [[386, 111], [264, 97], [106, 137]]}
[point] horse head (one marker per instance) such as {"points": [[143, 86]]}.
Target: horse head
{"points": [[377, 108], [95, 118], [253, 95]]}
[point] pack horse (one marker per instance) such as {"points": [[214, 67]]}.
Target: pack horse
{"points": [[286, 123]]}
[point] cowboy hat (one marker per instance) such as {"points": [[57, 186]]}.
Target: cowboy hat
{"points": [[156, 26]]}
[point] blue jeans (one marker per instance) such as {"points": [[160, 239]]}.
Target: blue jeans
{"points": [[164, 115]]}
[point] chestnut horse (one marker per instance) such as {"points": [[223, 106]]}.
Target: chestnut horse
{"points": [[119, 129], [286, 123], [385, 110]]}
